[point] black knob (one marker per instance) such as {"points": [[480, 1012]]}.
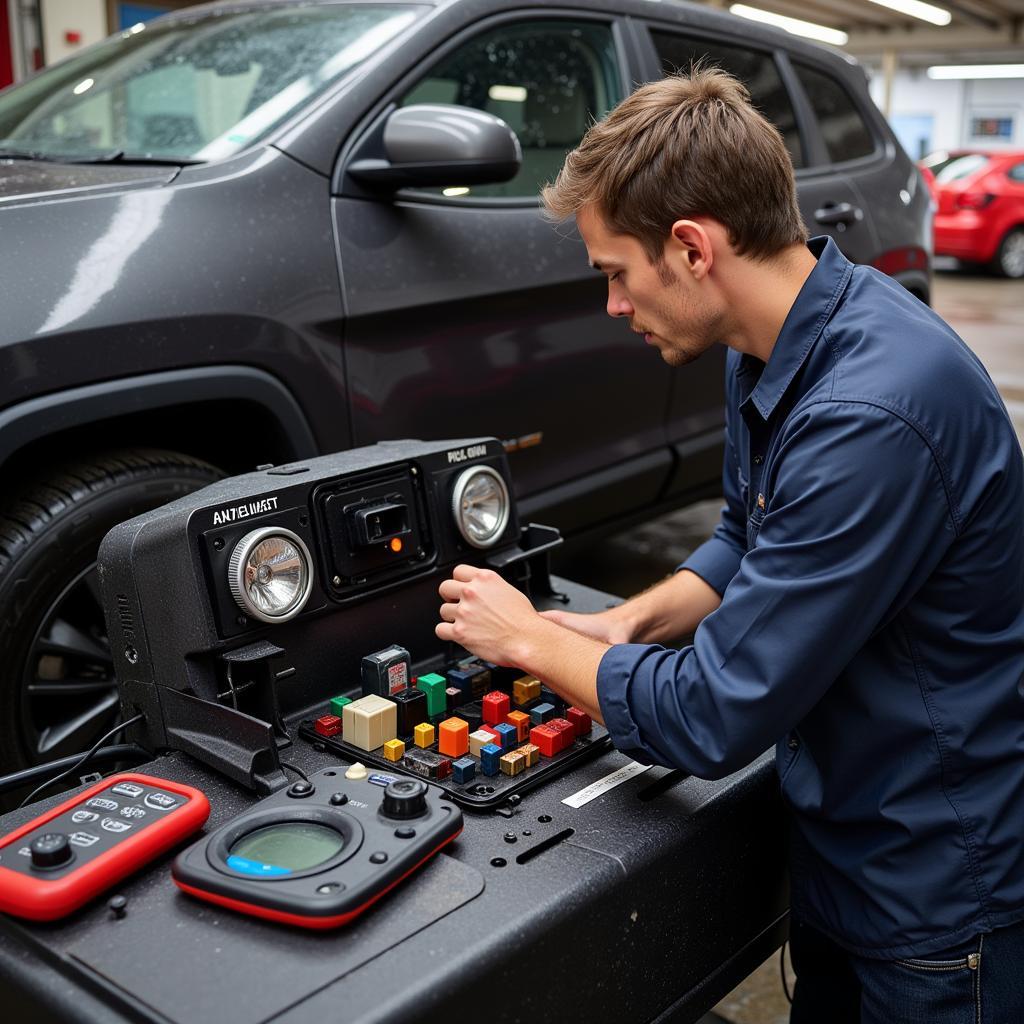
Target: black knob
{"points": [[406, 798], [50, 850]]}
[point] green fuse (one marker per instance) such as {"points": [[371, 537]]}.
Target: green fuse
{"points": [[435, 687], [337, 703]]}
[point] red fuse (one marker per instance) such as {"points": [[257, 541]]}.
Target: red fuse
{"points": [[444, 767], [496, 705], [328, 725], [545, 739], [580, 720], [565, 731]]}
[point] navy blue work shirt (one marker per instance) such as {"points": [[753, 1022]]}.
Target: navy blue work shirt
{"points": [[870, 558]]}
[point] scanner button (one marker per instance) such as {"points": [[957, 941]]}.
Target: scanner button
{"points": [[379, 857], [339, 799], [329, 888], [128, 789], [160, 801], [405, 832]]}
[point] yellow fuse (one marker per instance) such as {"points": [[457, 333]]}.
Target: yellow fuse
{"points": [[530, 752], [423, 734], [512, 763], [394, 750], [525, 689]]}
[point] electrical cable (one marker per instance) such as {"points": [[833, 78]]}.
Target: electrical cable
{"points": [[785, 980], [298, 771], [130, 752], [85, 757]]}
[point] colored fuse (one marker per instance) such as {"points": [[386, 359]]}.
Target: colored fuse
{"points": [[453, 737], [423, 734], [496, 705], [566, 732], [542, 713], [580, 720], [521, 721], [479, 739], [463, 770], [490, 756], [545, 739], [394, 750], [525, 689], [370, 722], [427, 763], [434, 686], [454, 697], [337, 703], [492, 732], [530, 752], [412, 709], [386, 672], [472, 678], [327, 725], [444, 767], [512, 763], [508, 736]]}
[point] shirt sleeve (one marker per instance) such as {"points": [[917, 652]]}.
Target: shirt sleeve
{"points": [[856, 520], [717, 560]]}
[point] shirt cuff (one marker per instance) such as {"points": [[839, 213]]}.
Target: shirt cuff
{"points": [[613, 677], [715, 562]]}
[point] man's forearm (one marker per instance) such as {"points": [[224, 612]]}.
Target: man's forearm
{"points": [[668, 610]]}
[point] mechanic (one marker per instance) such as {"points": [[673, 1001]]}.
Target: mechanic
{"points": [[861, 602]]}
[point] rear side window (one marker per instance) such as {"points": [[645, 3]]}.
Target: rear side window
{"points": [[962, 167], [843, 129], [547, 80], [754, 69], [1016, 172]]}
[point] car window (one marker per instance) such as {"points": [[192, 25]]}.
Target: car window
{"points": [[842, 127], [547, 80], [196, 89], [962, 167], [756, 70], [1016, 172]]}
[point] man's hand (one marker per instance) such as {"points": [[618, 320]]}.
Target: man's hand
{"points": [[486, 615]]}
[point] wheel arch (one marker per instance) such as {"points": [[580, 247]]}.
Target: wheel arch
{"points": [[232, 416]]}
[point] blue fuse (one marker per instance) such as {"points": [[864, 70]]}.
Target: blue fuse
{"points": [[490, 758], [508, 734], [463, 769], [542, 713]]}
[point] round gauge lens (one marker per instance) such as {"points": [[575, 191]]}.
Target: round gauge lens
{"points": [[296, 845], [270, 574], [481, 506]]}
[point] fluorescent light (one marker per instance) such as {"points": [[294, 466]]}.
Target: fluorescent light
{"points": [[84, 86], [136, 28], [976, 71], [794, 25], [455, 190], [917, 9], [511, 93]]}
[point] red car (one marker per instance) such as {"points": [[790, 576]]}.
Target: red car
{"points": [[980, 207]]}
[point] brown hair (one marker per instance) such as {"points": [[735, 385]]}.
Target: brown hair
{"points": [[685, 146]]}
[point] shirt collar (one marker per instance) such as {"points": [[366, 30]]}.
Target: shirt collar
{"points": [[803, 325]]}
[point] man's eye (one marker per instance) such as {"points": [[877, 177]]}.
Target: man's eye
{"points": [[614, 276]]}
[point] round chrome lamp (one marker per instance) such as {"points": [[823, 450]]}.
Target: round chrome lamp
{"points": [[270, 574], [481, 506]]}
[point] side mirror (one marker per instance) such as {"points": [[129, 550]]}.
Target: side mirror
{"points": [[432, 144]]}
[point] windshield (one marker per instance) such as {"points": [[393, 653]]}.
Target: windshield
{"points": [[960, 167], [193, 90]]}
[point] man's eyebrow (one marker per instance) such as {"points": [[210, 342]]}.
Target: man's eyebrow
{"points": [[599, 266]]}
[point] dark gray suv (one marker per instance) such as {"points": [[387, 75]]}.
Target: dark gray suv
{"points": [[252, 232]]}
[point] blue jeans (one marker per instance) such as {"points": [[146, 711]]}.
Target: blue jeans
{"points": [[977, 982]]}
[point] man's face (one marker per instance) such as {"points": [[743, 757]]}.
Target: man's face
{"points": [[664, 303]]}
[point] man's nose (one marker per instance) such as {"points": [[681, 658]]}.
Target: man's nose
{"points": [[618, 304]]}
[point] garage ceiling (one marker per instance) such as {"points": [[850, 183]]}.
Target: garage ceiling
{"points": [[981, 31]]}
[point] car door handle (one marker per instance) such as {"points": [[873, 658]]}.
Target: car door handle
{"points": [[838, 213]]}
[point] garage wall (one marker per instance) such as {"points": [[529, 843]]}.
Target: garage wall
{"points": [[87, 17], [946, 112]]}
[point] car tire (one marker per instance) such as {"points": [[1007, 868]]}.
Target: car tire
{"points": [[57, 687], [1009, 257]]}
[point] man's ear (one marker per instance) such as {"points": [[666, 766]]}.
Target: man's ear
{"points": [[690, 244]]}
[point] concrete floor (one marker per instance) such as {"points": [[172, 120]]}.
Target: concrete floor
{"points": [[988, 313]]}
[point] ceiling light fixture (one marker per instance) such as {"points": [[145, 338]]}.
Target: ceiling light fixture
{"points": [[794, 25], [976, 71], [917, 9]]}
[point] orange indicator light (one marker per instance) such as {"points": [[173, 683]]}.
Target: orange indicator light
{"points": [[395, 544]]}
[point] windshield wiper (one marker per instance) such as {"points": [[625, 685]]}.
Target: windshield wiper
{"points": [[111, 156]]}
